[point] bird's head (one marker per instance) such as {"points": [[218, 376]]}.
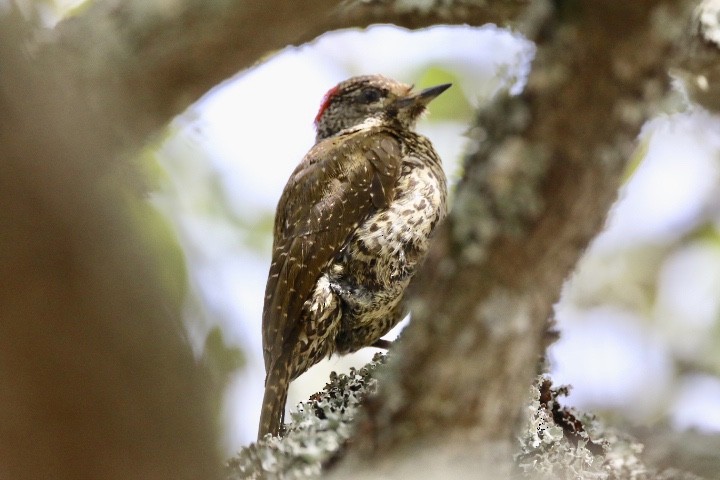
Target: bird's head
{"points": [[358, 99]]}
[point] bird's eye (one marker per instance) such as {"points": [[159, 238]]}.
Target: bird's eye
{"points": [[371, 95]]}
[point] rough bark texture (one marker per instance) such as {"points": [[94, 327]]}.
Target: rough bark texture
{"points": [[97, 378], [544, 172]]}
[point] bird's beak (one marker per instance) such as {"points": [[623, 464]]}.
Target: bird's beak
{"points": [[423, 97]]}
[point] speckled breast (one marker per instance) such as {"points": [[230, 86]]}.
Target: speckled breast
{"points": [[372, 271]]}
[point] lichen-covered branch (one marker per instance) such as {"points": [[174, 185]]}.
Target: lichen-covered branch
{"points": [[318, 431], [541, 175], [554, 442]]}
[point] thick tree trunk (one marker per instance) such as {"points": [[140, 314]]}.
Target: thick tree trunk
{"points": [[544, 171]]}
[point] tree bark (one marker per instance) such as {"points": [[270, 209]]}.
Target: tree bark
{"points": [[543, 171]]}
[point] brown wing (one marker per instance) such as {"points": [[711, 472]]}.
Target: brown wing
{"points": [[335, 187]]}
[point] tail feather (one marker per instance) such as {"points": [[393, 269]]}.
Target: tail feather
{"points": [[273, 406]]}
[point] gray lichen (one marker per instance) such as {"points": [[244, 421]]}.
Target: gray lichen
{"points": [[556, 443], [500, 193], [318, 430], [708, 18], [561, 443]]}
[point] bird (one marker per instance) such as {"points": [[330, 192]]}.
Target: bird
{"points": [[351, 227]]}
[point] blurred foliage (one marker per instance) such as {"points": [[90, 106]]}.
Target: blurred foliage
{"points": [[74, 7], [187, 197], [452, 104], [162, 243], [48, 12], [190, 186], [189, 191], [637, 158], [160, 240], [707, 232], [222, 360]]}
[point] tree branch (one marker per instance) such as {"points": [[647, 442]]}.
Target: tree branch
{"points": [[159, 57], [544, 170]]}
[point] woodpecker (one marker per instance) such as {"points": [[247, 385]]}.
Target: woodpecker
{"points": [[351, 227]]}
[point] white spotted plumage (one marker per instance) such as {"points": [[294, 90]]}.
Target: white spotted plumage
{"points": [[352, 225]]}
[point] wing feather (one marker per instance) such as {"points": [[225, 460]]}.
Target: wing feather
{"points": [[338, 184]]}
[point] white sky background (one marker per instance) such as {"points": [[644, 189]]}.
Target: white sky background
{"points": [[255, 128]]}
